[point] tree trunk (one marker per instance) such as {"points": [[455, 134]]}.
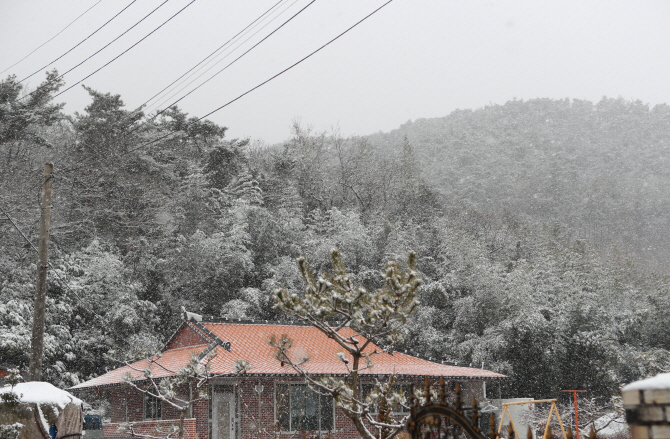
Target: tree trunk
{"points": [[37, 340]]}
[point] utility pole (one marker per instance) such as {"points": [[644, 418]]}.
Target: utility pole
{"points": [[574, 393], [37, 340]]}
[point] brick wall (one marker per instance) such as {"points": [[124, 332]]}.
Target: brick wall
{"points": [[129, 402], [186, 337], [472, 388], [201, 415], [252, 426], [152, 428]]}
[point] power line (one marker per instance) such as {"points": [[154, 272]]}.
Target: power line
{"points": [[211, 54], [231, 63], [162, 111], [236, 59], [217, 62], [71, 23], [128, 49], [83, 159], [298, 62], [53, 270], [78, 44], [256, 87], [104, 47]]}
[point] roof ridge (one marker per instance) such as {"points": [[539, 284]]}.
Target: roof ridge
{"points": [[214, 319], [215, 338], [217, 319], [201, 331], [183, 347]]}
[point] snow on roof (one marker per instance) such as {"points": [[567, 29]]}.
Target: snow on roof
{"points": [[658, 382], [42, 393]]}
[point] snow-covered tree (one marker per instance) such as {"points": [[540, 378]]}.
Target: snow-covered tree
{"points": [[180, 390], [330, 303]]}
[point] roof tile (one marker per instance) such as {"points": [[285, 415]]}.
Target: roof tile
{"points": [[251, 342]]}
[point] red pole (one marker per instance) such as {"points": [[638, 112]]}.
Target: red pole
{"points": [[574, 393]]}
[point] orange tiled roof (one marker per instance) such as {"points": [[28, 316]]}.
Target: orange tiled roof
{"points": [[171, 360], [249, 341]]}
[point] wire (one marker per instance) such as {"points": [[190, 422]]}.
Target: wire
{"points": [[17, 228], [128, 49], [217, 62], [71, 23], [75, 166], [211, 54], [78, 44], [257, 86], [107, 45], [295, 64], [235, 60], [53, 270], [231, 63]]}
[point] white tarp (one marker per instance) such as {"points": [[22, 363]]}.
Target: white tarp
{"points": [[41, 405]]}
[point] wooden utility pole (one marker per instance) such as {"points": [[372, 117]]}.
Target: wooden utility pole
{"points": [[37, 340]]}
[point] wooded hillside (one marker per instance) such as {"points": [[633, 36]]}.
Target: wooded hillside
{"points": [[513, 211], [599, 170]]}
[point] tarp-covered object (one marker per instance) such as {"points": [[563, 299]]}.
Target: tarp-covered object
{"points": [[38, 407]]}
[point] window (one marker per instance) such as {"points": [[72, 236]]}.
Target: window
{"points": [[300, 408], [152, 407]]}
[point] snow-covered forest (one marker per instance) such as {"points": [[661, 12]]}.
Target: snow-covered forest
{"points": [[541, 229]]}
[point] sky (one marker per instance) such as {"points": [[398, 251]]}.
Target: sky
{"points": [[412, 59]]}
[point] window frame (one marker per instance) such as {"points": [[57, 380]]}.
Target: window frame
{"points": [[320, 408], [157, 404]]}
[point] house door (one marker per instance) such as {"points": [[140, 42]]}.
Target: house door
{"points": [[223, 413]]}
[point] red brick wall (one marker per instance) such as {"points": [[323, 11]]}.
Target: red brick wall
{"points": [[168, 411], [127, 404], [201, 415], [251, 425], [186, 337], [153, 428]]}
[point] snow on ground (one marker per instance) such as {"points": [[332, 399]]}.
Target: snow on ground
{"points": [[610, 424], [42, 393]]}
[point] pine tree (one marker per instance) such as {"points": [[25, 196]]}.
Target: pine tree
{"points": [[378, 315]]}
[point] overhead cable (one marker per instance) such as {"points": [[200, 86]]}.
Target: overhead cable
{"points": [[106, 45], [296, 63], [211, 54], [217, 62], [62, 30], [83, 159], [158, 139], [125, 51], [236, 59], [78, 44]]}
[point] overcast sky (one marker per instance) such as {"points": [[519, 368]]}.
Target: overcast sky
{"points": [[413, 59]]}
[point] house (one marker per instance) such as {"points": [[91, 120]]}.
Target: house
{"points": [[268, 399]]}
